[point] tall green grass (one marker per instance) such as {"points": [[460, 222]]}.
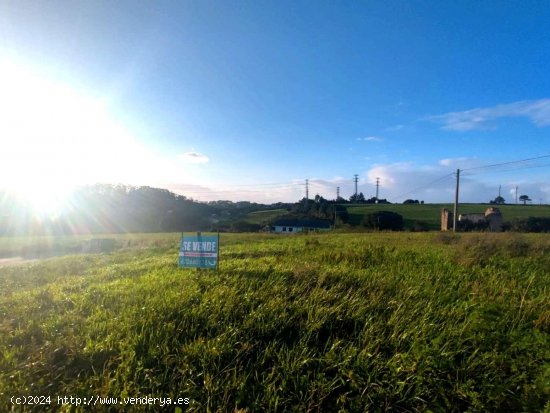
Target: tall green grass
{"points": [[318, 323]]}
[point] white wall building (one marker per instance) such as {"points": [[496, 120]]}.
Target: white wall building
{"points": [[291, 226]]}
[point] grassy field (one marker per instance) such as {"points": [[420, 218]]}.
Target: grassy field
{"points": [[431, 213], [308, 323], [265, 217]]}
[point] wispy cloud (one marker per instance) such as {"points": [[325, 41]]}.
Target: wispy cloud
{"points": [[371, 139], [433, 183], [395, 128], [194, 158], [538, 111], [461, 162]]}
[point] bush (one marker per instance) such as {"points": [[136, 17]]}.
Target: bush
{"points": [[447, 238], [466, 225], [531, 224], [383, 220]]}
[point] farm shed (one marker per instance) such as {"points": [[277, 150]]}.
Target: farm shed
{"points": [[290, 226], [474, 218], [492, 217]]}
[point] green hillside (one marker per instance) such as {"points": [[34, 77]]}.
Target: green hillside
{"points": [[266, 216], [431, 213]]}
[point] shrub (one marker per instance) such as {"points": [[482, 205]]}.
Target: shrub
{"points": [[531, 224], [383, 220], [467, 225]]}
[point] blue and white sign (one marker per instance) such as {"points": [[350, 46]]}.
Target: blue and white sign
{"points": [[199, 251]]}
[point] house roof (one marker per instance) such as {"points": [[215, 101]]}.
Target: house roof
{"points": [[309, 223]]}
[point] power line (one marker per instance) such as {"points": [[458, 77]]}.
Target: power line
{"points": [[506, 163], [519, 168], [425, 185]]}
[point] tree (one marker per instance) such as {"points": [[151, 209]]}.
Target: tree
{"points": [[530, 224], [383, 220], [341, 215], [357, 198], [524, 198], [498, 200]]}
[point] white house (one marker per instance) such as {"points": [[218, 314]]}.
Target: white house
{"points": [[291, 226]]}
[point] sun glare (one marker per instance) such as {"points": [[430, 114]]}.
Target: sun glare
{"points": [[54, 137]]}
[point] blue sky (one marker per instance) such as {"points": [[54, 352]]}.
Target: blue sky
{"points": [[245, 100]]}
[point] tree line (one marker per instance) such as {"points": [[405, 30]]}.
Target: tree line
{"points": [[120, 208]]}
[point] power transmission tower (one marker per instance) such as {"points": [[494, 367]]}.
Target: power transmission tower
{"points": [[307, 189], [499, 188], [377, 186], [337, 193], [355, 179], [516, 194], [455, 212]]}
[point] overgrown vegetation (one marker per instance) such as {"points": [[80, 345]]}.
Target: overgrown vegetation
{"points": [[383, 221], [530, 224], [318, 323]]}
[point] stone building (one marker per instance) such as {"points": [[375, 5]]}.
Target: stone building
{"points": [[492, 217]]}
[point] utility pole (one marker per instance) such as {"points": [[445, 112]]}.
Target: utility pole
{"points": [[377, 185], [307, 189], [455, 212], [499, 188], [337, 193], [355, 179], [516, 194]]}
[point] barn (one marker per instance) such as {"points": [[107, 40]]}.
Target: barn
{"points": [[291, 226]]}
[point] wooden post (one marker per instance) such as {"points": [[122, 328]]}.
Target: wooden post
{"points": [[200, 258], [455, 212], [218, 252]]}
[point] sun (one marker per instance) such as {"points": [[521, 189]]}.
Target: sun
{"points": [[54, 137]]}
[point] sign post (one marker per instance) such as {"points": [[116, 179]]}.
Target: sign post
{"points": [[199, 251]]}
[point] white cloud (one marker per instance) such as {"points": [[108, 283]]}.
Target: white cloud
{"points": [[436, 183], [402, 177], [538, 111], [194, 158], [461, 162], [371, 139], [433, 183], [395, 128]]}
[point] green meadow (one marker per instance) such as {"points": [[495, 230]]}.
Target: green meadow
{"points": [[430, 214], [404, 322]]}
